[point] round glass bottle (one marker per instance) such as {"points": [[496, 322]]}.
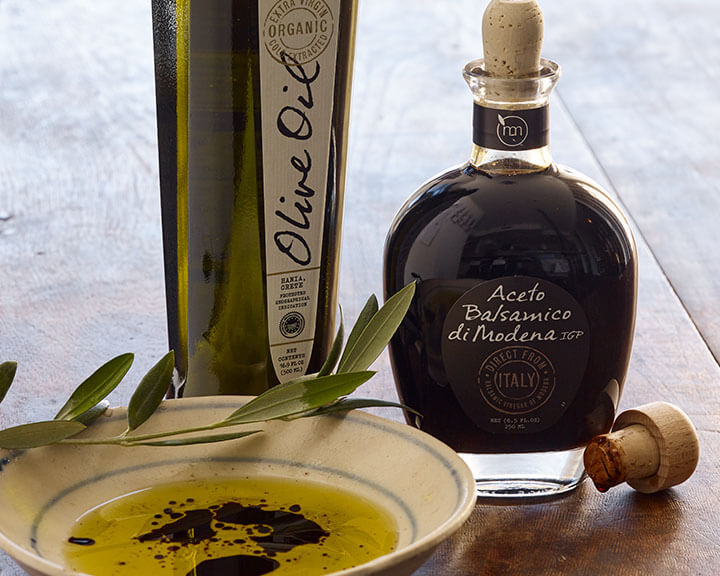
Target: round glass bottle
{"points": [[517, 344]]}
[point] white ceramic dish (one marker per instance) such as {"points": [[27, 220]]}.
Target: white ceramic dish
{"points": [[420, 481]]}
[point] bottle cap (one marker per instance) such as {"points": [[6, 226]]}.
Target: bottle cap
{"points": [[651, 447], [512, 38]]}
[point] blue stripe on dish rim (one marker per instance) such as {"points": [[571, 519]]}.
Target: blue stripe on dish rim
{"points": [[392, 428]]}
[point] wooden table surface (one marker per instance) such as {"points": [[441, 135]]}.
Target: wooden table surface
{"points": [[81, 275]]}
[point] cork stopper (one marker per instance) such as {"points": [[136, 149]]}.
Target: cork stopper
{"points": [[512, 38], [651, 447]]}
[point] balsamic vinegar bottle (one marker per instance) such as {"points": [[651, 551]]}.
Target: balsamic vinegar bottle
{"points": [[518, 341], [253, 205]]}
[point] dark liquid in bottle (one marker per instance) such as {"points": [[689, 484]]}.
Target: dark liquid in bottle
{"points": [[467, 227]]}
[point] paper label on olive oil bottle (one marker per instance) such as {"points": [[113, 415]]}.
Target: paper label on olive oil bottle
{"points": [[298, 40]]}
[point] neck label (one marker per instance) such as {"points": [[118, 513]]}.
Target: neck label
{"points": [[512, 130]]}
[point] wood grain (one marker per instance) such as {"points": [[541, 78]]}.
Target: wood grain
{"points": [[81, 258], [641, 83]]}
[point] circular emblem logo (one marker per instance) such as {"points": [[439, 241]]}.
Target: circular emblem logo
{"points": [[512, 130], [516, 379], [292, 324], [297, 32]]}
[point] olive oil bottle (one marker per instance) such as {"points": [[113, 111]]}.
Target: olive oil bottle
{"points": [[253, 203]]}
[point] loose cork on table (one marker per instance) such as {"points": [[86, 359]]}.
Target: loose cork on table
{"points": [[652, 447]]}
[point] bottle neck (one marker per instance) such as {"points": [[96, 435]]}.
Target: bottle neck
{"points": [[510, 140], [511, 120]]}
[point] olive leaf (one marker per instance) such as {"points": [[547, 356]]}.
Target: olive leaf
{"points": [[378, 332], [7, 375], [336, 349], [347, 404], [96, 387], [38, 434], [196, 439], [366, 314], [298, 396], [151, 391]]}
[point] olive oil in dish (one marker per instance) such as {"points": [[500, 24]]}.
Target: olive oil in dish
{"points": [[239, 527]]}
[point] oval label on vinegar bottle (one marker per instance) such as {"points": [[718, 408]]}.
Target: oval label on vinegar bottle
{"points": [[515, 350]]}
